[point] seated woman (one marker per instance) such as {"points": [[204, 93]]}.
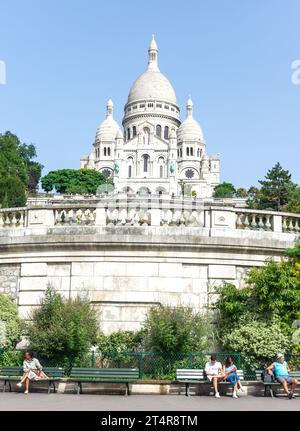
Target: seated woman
{"points": [[230, 373], [32, 371]]}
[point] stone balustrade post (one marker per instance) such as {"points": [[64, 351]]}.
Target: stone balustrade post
{"points": [[100, 216], [155, 216], [40, 217], [223, 218], [277, 223]]}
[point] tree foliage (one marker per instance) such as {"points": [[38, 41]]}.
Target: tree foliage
{"points": [[62, 328], [260, 315], [169, 329], [19, 172], [276, 188], [120, 341], [72, 181], [293, 205], [294, 253], [276, 193], [224, 190], [258, 340], [11, 325]]}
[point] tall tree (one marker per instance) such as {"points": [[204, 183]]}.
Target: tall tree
{"points": [[34, 168], [19, 173], [276, 188]]}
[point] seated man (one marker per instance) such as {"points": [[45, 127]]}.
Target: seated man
{"points": [[281, 371], [213, 371]]}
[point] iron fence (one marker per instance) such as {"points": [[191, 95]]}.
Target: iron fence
{"points": [[151, 365]]}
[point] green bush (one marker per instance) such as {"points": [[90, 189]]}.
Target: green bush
{"points": [[61, 328], [11, 358], [11, 324], [257, 340], [168, 329]]}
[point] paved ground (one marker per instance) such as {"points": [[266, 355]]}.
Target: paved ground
{"points": [[55, 402]]}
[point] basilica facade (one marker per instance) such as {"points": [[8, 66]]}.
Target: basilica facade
{"points": [[156, 153]]}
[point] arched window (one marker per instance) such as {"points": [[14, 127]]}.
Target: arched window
{"points": [[158, 130], [166, 132], [191, 151], [146, 162], [108, 151], [146, 136], [128, 134], [161, 162], [134, 131], [130, 166], [198, 152], [187, 151], [104, 151], [180, 152]]}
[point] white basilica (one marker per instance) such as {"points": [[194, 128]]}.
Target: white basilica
{"points": [[156, 153]]}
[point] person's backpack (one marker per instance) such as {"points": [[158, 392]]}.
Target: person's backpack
{"points": [[266, 377]]}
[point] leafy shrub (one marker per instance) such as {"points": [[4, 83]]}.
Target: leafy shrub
{"points": [[11, 324], [258, 340], [62, 329], [11, 358], [120, 341], [168, 329]]}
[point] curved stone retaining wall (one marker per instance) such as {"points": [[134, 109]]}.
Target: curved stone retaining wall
{"points": [[173, 252]]}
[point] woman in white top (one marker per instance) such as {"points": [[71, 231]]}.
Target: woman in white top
{"points": [[214, 373], [32, 371]]}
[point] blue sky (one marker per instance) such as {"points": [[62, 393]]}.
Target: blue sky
{"points": [[65, 58]]}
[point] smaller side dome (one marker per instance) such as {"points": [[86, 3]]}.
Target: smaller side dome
{"points": [[109, 128], [189, 129]]}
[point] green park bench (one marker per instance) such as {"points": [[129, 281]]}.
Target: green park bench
{"points": [[196, 377], [14, 374], [103, 375], [268, 386]]}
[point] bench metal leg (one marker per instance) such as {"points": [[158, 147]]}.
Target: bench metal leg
{"points": [[53, 386], [4, 386], [187, 389], [127, 389], [269, 388], [9, 385], [79, 388]]}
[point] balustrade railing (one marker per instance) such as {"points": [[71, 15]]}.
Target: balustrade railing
{"points": [[13, 217], [254, 221], [291, 223], [74, 216], [147, 212]]}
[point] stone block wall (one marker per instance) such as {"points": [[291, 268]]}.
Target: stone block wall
{"points": [[125, 270]]}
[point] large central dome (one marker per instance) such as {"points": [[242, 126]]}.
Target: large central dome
{"points": [[152, 84]]}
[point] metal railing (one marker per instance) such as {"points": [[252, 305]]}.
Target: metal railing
{"points": [[151, 365]]}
